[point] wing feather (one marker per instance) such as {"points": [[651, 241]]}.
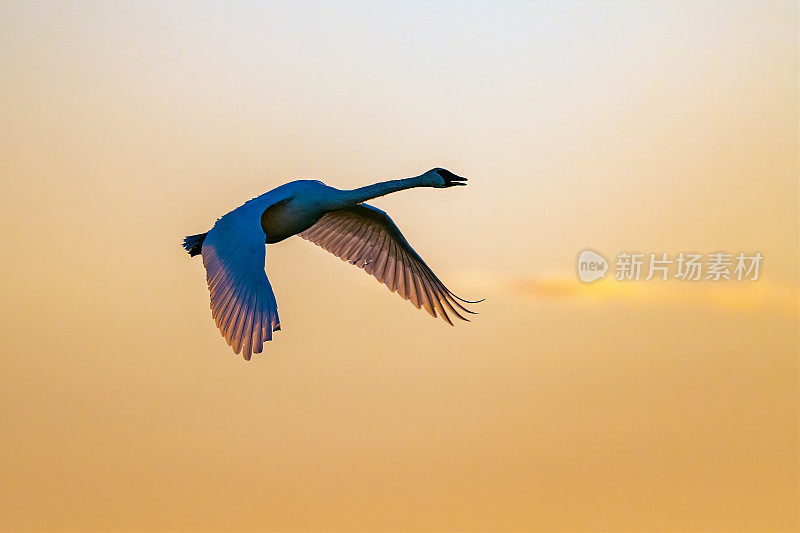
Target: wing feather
{"points": [[248, 332], [232, 314], [424, 294], [358, 241], [400, 279], [243, 305], [366, 237], [391, 265], [224, 296], [257, 328]]}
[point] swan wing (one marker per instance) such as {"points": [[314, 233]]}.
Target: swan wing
{"points": [[242, 302], [366, 237]]}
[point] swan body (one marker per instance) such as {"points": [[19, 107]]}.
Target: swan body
{"points": [[243, 304]]}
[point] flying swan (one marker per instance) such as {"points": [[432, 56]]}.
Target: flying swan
{"points": [[242, 302]]}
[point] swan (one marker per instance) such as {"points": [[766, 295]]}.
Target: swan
{"points": [[233, 251]]}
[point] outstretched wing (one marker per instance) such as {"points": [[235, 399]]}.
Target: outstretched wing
{"points": [[242, 302], [366, 237]]}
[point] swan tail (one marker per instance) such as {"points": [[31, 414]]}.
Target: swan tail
{"points": [[194, 243]]}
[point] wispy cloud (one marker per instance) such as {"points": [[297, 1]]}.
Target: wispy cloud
{"points": [[763, 294]]}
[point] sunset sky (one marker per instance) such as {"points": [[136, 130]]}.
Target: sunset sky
{"points": [[627, 126]]}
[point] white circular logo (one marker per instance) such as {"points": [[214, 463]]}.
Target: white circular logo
{"points": [[591, 266]]}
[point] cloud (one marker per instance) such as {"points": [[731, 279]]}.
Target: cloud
{"points": [[744, 296], [733, 295]]}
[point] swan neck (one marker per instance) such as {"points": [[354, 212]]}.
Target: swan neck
{"points": [[349, 198]]}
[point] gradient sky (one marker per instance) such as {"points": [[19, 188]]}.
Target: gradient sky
{"points": [[648, 126]]}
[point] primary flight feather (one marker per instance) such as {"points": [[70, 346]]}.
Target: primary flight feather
{"points": [[242, 302]]}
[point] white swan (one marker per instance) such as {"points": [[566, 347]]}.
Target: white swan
{"points": [[242, 302]]}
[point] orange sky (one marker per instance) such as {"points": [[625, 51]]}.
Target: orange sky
{"points": [[627, 126]]}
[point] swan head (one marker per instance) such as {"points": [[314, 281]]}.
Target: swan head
{"points": [[441, 177]]}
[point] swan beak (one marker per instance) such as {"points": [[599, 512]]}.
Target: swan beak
{"points": [[450, 179]]}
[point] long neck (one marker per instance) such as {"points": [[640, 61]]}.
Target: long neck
{"points": [[349, 198]]}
